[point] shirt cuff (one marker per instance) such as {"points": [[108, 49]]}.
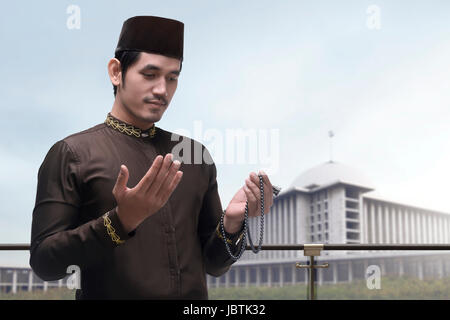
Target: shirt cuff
{"points": [[232, 238], [114, 228]]}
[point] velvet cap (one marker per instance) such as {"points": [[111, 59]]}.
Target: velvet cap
{"points": [[153, 35]]}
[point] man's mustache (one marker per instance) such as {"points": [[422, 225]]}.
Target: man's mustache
{"points": [[155, 100]]}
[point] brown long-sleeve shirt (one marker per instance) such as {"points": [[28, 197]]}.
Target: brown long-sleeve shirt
{"points": [[167, 256]]}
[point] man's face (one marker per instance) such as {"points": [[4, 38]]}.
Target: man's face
{"points": [[150, 84]]}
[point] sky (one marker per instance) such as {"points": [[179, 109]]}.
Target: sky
{"points": [[374, 72]]}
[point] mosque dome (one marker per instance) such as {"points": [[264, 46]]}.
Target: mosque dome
{"points": [[329, 173]]}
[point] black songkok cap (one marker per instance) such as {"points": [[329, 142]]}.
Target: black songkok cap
{"points": [[152, 34]]}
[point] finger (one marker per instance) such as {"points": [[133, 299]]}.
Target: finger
{"points": [[148, 178], [168, 179], [257, 185], [268, 192], [173, 184], [253, 177], [266, 179], [122, 179], [254, 190], [252, 202], [162, 173], [248, 193]]}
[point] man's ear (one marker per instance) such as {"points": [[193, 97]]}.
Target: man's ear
{"points": [[114, 71]]}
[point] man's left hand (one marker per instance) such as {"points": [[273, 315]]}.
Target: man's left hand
{"points": [[235, 211]]}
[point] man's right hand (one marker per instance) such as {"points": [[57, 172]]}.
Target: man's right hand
{"points": [[136, 204]]}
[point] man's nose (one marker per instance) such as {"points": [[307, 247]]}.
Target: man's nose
{"points": [[160, 88]]}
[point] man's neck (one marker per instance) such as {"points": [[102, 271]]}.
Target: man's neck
{"points": [[119, 112]]}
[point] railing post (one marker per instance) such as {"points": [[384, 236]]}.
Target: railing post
{"points": [[312, 250]]}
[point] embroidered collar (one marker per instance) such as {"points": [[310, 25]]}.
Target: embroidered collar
{"points": [[129, 129]]}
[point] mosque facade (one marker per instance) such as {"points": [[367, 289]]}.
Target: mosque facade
{"points": [[331, 203]]}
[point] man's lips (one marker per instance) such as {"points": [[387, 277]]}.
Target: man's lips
{"points": [[157, 104]]}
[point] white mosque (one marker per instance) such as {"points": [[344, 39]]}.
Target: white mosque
{"points": [[329, 204]]}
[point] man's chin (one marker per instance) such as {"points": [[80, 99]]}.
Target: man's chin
{"points": [[152, 117]]}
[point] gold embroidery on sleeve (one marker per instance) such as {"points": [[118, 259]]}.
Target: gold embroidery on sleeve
{"points": [[110, 229]]}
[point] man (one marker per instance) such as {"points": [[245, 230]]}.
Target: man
{"points": [[113, 201]]}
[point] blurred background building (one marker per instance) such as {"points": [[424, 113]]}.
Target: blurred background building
{"points": [[326, 204], [331, 203]]}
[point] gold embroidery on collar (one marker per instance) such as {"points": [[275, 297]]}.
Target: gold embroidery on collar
{"points": [[129, 129]]}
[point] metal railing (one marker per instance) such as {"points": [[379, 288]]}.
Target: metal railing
{"points": [[309, 250]]}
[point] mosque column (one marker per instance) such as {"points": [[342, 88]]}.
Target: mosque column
{"points": [[407, 226], [283, 227], [281, 276], [14, 282], [286, 226], [272, 228], [372, 223], [291, 238], [417, 226], [280, 229], [446, 230], [365, 222], [413, 234], [435, 229], [430, 229], [380, 224], [444, 233], [438, 229], [387, 224], [424, 229], [400, 227], [30, 281], [394, 225]]}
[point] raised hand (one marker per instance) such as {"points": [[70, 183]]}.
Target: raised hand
{"points": [[136, 204]]}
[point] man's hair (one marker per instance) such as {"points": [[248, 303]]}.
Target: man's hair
{"points": [[127, 58]]}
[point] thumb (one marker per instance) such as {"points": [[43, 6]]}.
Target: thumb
{"points": [[122, 179]]}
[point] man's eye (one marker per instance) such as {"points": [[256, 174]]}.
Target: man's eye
{"points": [[149, 75], [173, 79]]}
